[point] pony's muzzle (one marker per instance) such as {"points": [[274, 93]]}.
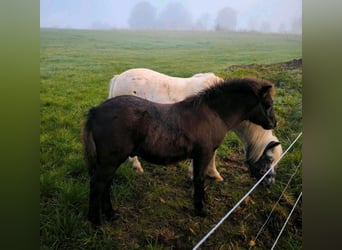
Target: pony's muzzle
{"points": [[270, 178], [258, 172]]}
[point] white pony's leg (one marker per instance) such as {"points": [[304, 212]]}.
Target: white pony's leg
{"points": [[191, 170], [136, 164], [211, 170]]}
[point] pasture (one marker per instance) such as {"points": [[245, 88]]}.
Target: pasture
{"points": [[155, 208]]}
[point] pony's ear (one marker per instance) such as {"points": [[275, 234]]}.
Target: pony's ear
{"points": [[272, 144]]}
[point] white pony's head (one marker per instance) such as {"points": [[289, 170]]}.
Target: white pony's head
{"points": [[271, 154]]}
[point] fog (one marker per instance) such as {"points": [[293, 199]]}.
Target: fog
{"points": [[244, 15]]}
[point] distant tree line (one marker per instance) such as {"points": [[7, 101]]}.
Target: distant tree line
{"points": [[176, 17]]}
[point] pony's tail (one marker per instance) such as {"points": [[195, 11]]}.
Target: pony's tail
{"points": [[89, 147], [112, 86]]}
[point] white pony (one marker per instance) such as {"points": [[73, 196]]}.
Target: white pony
{"points": [[260, 145]]}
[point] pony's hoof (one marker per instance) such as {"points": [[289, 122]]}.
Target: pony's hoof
{"points": [[111, 216], [95, 223], [139, 169], [218, 178], [201, 212]]}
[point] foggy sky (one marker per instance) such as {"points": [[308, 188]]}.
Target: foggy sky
{"points": [[258, 15]]}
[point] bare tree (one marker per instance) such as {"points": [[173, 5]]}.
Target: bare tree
{"points": [[203, 22], [297, 25], [282, 28], [143, 16], [175, 16], [265, 27], [226, 19]]}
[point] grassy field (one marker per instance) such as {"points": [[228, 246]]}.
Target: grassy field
{"points": [[155, 208]]}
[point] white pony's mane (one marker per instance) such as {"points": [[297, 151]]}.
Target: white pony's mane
{"points": [[255, 139]]}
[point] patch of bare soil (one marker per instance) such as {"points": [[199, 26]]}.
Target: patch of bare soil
{"points": [[289, 65]]}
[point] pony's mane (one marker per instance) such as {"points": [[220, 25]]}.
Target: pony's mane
{"points": [[255, 139], [244, 85]]}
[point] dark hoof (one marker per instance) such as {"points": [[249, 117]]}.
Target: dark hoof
{"points": [[111, 215], [95, 223], [201, 213]]}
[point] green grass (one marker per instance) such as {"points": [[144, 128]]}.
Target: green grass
{"points": [[155, 208]]}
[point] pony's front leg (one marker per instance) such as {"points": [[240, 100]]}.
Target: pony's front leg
{"points": [[200, 165], [136, 164]]}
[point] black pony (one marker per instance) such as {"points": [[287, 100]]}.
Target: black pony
{"points": [[167, 133]]}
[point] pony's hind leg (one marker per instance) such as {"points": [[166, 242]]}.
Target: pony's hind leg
{"points": [[97, 187], [112, 164], [99, 196], [107, 208]]}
